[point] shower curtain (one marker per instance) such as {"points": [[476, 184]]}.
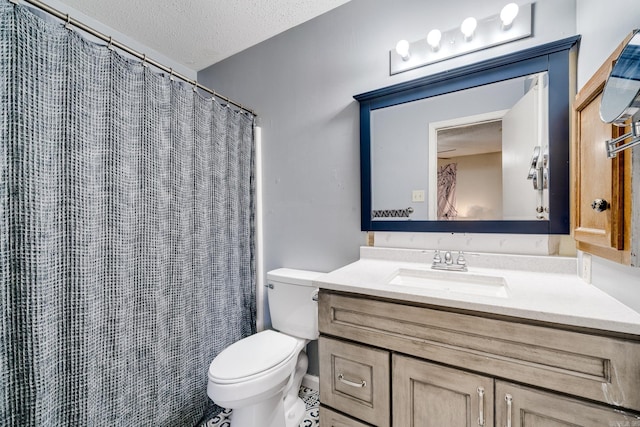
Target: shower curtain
{"points": [[126, 234]]}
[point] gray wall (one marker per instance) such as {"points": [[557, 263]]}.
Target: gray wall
{"points": [[302, 82]]}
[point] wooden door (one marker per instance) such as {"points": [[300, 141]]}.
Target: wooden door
{"points": [[519, 406], [430, 395]]}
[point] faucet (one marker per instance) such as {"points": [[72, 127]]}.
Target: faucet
{"points": [[448, 264]]}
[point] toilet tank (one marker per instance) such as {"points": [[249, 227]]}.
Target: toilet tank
{"points": [[293, 304]]}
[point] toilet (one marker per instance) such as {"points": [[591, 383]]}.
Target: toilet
{"points": [[259, 376]]}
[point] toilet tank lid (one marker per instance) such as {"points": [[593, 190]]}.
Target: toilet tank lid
{"points": [[252, 355], [293, 276]]}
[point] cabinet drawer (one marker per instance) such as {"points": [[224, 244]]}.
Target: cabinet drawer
{"points": [[520, 406], [355, 379], [595, 367], [329, 418]]}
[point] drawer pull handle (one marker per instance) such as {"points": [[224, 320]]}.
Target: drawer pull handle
{"points": [[481, 406], [509, 399], [360, 384]]}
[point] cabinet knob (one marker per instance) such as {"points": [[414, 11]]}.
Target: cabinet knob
{"points": [[600, 205]]}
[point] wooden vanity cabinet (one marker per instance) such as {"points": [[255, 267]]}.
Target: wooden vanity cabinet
{"points": [[438, 367], [604, 233]]}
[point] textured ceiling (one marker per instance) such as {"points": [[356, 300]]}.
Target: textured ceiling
{"points": [[199, 33]]}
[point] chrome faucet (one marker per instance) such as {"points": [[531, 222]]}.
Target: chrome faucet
{"points": [[448, 264]]}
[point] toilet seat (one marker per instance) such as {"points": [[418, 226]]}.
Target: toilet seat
{"points": [[254, 356]]}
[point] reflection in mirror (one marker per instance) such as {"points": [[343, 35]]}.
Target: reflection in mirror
{"points": [[398, 164], [464, 155]]}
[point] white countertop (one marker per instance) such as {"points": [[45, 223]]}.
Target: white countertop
{"points": [[539, 288]]}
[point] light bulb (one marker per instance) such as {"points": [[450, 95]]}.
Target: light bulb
{"points": [[402, 48], [508, 14], [468, 27], [433, 39]]}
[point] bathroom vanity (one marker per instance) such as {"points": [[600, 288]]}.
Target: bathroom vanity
{"points": [[515, 341]]}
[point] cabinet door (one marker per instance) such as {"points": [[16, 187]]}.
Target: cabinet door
{"points": [[603, 233], [598, 178], [430, 395], [519, 406]]}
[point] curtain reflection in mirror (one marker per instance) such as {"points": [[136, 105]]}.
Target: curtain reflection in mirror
{"points": [[447, 192]]}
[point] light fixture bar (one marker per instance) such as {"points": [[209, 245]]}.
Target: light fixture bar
{"points": [[489, 32]]}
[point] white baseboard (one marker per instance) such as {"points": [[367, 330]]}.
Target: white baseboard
{"points": [[311, 381]]}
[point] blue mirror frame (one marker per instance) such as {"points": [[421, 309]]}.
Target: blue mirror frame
{"points": [[558, 59]]}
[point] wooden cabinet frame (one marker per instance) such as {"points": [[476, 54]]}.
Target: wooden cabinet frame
{"points": [[606, 234]]}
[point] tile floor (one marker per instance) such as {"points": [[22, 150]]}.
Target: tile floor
{"points": [[311, 419]]}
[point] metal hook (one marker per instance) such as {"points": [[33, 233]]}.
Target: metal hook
{"points": [[144, 60], [171, 75], [68, 24], [111, 44], [195, 85]]}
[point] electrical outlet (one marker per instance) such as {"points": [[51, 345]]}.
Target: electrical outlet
{"points": [[417, 196]]}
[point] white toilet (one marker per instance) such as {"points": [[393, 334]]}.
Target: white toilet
{"points": [[259, 376]]}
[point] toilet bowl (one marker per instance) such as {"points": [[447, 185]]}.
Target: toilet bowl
{"points": [[259, 376]]}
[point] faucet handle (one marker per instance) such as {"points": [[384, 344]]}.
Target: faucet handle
{"points": [[436, 257], [461, 260]]}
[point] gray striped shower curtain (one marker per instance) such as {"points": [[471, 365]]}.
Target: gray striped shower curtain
{"points": [[126, 234]]}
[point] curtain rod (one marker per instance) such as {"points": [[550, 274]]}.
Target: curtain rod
{"points": [[114, 43]]}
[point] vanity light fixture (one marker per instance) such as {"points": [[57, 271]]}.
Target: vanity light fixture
{"points": [[433, 39], [513, 22], [508, 14], [402, 49], [468, 27]]}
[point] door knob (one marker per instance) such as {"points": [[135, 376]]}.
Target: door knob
{"points": [[600, 205]]}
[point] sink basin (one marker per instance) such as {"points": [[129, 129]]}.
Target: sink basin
{"points": [[455, 282]]}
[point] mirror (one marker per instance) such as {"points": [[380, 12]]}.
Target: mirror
{"points": [[481, 148], [621, 97], [468, 154]]}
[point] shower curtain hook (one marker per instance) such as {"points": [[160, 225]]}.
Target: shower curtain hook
{"points": [[111, 44], [68, 24], [171, 75], [144, 60], [195, 85]]}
